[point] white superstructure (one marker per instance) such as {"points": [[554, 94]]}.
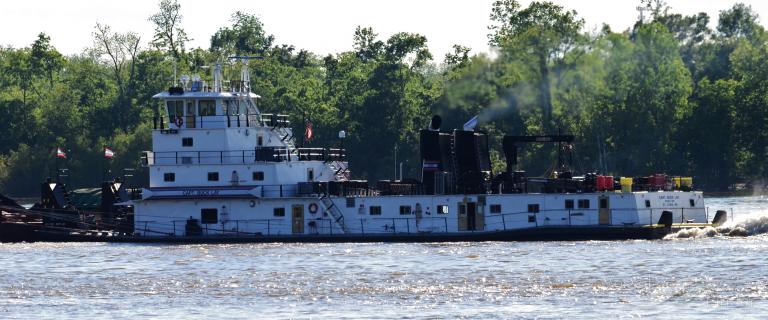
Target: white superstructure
{"points": [[221, 167]]}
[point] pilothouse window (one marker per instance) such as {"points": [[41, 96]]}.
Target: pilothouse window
{"points": [[207, 107], [175, 109]]}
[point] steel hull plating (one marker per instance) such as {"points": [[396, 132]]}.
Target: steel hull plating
{"points": [[531, 234]]}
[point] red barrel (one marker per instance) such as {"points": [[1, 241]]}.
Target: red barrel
{"points": [[600, 183]]}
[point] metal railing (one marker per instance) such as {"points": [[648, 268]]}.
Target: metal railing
{"points": [[230, 227], [259, 154], [321, 154], [170, 123], [408, 225], [653, 215], [379, 225]]}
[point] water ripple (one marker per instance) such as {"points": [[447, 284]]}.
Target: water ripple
{"points": [[712, 276]]}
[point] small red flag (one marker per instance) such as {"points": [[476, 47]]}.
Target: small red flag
{"points": [[60, 153], [108, 153], [308, 130]]}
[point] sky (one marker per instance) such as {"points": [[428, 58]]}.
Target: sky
{"points": [[321, 27]]}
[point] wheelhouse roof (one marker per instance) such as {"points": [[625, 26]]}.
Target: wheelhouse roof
{"points": [[197, 94]]}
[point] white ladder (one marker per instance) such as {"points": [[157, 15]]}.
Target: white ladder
{"points": [[335, 213], [287, 138], [340, 170]]}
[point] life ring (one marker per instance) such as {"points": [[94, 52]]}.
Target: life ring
{"points": [[252, 203], [179, 121], [313, 208]]}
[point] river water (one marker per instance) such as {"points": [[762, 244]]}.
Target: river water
{"points": [[706, 274]]}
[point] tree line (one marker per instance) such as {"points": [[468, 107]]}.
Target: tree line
{"points": [[673, 93]]}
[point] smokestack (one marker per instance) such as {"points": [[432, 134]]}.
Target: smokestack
{"points": [[434, 125]]}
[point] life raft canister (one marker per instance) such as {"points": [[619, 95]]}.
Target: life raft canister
{"points": [[313, 208]]}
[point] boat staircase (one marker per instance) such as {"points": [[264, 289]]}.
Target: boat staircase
{"points": [[340, 170], [334, 211], [287, 138]]}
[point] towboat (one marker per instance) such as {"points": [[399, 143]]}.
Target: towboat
{"points": [[222, 171]]}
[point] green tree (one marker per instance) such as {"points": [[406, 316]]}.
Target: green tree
{"points": [[543, 34], [44, 59], [169, 35], [709, 134], [246, 36], [648, 95]]}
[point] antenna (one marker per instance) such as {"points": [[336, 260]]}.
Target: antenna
{"points": [[217, 78], [175, 79], [245, 74]]}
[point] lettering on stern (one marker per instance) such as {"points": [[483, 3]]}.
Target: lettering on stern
{"points": [[199, 193], [669, 200]]}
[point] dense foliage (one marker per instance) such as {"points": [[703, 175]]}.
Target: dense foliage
{"points": [[672, 94]]}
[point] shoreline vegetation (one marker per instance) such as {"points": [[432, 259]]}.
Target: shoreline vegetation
{"points": [[674, 93]]}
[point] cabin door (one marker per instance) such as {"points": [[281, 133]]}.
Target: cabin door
{"points": [[461, 213], [471, 216], [604, 210], [297, 219], [191, 114], [479, 217]]}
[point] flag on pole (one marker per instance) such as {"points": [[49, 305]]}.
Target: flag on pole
{"points": [[108, 153], [60, 153], [308, 131]]}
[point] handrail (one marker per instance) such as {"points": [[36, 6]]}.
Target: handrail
{"points": [[570, 212], [394, 226], [257, 155], [206, 229], [408, 225], [268, 120]]}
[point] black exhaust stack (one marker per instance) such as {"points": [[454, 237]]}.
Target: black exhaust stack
{"points": [[473, 162], [666, 219], [721, 216], [431, 158]]}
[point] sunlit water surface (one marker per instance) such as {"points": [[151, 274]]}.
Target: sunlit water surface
{"points": [[704, 275]]}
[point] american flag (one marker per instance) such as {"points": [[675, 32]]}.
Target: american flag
{"points": [[308, 131], [60, 153]]}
